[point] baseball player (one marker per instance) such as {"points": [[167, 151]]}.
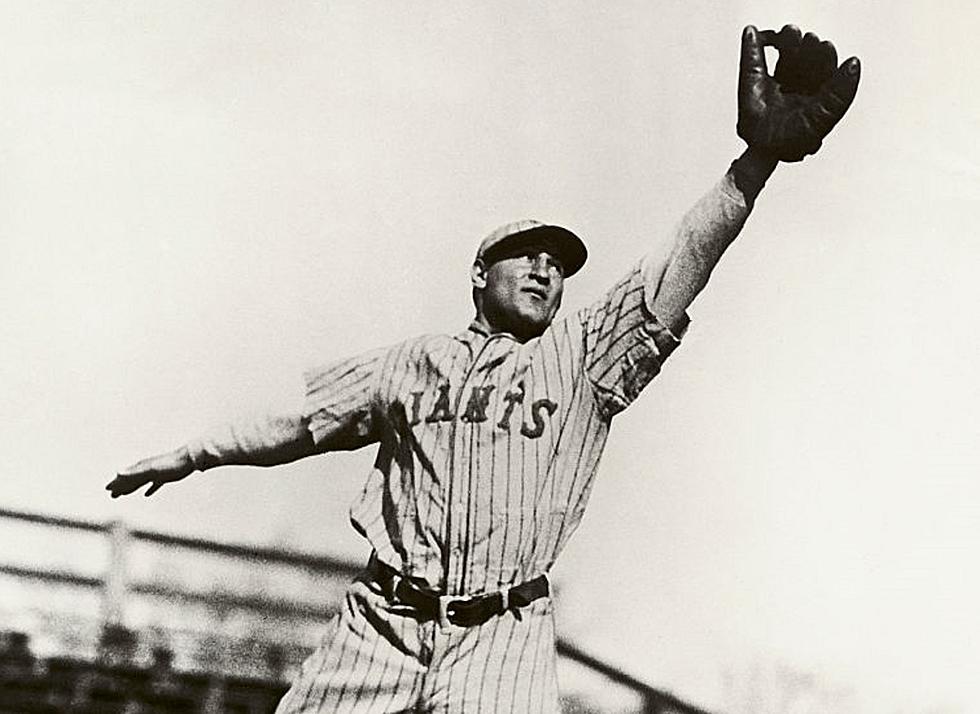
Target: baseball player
{"points": [[488, 439]]}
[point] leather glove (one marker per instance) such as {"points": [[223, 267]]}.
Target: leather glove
{"points": [[789, 114]]}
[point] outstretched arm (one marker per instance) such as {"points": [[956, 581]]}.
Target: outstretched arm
{"points": [[782, 118], [266, 441], [333, 413], [702, 236]]}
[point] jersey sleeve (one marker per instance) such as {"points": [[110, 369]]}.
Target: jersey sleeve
{"points": [[341, 401], [624, 344]]}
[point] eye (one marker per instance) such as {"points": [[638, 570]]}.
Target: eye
{"points": [[554, 265], [533, 256]]}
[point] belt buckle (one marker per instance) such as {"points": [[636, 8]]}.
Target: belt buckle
{"points": [[444, 602]]}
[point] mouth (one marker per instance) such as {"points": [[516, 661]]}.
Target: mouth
{"points": [[538, 293]]}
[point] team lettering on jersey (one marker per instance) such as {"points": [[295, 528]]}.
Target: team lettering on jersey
{"points": [[444, 407]]}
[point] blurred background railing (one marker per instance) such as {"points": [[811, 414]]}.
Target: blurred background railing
{"points": [[98, 617]]}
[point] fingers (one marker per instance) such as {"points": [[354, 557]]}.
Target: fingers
{"points": [[131, 478], [828, 59], [836, 95], [156, 471], [125, 484], [154, 488], [821, 58], [805, 62], [786, 39], [789, 37], [823, 53], [753, 62], [752, 77]]}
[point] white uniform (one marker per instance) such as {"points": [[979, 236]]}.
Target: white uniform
{"points": [[487, 451]]}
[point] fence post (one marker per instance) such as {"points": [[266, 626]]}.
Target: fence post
{"points": [[114, 592]]}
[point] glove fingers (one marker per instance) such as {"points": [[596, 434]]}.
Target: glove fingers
{"points": [[752, 75], [804, 69], [791, 112], [788, 69], [835, 97], [753, 62], [788, 38], [828, 60], [820, 60], [788, 41], [809, 42]]}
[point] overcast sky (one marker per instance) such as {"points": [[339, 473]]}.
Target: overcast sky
{"points": [[197, 199]]}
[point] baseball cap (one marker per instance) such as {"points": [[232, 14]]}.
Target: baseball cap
{"points": [[561, 242]]}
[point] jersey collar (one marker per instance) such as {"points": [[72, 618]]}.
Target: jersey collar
{"points": [[477, 333]]}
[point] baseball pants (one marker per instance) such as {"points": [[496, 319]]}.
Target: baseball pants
{"points": [[377, 656]]}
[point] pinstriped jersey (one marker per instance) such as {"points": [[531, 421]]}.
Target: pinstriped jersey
{"points": [[488, 447]]}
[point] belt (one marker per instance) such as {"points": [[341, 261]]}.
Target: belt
{"points": [[460, 610]]}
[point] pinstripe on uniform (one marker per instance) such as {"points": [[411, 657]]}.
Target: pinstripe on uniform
{"points": [[378, 658], [487, 450]]}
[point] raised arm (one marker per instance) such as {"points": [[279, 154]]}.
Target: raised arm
{"points": [[638, 323], [782, 118], [702, 235]]}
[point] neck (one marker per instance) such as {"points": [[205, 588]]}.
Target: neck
{"points": [[495, 328]]}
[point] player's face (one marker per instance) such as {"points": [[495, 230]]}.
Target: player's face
{"points": [[520, 293]]}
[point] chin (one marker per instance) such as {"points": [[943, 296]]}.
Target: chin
{"points": [[530, 328], [524, 324]]}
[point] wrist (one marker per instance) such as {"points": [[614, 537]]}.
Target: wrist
{"points": [[751, 170]]}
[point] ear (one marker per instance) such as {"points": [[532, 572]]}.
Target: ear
{"points": [[478, 274]]}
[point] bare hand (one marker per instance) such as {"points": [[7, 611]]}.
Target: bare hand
{"points": [[156, 470]]}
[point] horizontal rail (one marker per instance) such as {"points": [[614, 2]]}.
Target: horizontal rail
{"points": [[213, 598], [61, 577], [218, 599], [59, 522], [274, 555]]}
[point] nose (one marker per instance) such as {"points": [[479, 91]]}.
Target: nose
{"points": [[541, 268]]}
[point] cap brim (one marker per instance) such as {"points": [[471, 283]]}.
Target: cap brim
{"points": [[561, 242]]}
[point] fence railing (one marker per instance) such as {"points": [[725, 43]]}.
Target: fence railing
{"points": [[118, 587]]}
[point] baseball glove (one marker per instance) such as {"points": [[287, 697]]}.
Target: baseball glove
{"points": [[789, 114]]}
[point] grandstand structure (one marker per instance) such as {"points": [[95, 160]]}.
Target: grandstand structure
{"points": [[99, 617]]}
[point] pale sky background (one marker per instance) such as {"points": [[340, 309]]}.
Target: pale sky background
{"points": [[199, 198]]}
